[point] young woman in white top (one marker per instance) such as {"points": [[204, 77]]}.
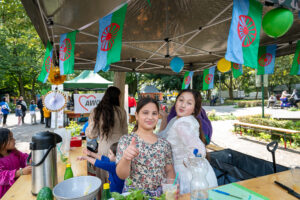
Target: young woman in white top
{"points": [[184, 133]]}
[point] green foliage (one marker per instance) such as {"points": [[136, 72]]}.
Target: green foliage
{"points": [[21, 52], [75, 128], [12, 107], [135, 194], [246, 104], [213, 117], [281, 74], [267, 121]]}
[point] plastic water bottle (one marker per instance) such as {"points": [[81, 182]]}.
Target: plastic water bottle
{"points": [[199, 184], [68, 172]]}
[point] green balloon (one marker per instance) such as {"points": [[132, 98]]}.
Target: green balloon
{"points": [[277, 22]]}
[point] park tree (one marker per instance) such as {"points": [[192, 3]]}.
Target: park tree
{"points": [[21, 51], [282, 75]]}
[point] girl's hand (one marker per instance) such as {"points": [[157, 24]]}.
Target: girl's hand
{"points": [[131, 151], [27, 170], [82, 158], [163, 113], [86, 152]]}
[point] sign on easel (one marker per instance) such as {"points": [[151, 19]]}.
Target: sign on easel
{"points": [[85, 103]]}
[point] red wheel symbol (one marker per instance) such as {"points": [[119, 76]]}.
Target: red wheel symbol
{"points": [[298, 58], [108, 36], [65, 50], [48, 64], [265, 59], [208, 78], [246, 30], [236, 66], [187, 80]]}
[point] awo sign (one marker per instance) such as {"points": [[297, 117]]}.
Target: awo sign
{"points": [[84, 103]]}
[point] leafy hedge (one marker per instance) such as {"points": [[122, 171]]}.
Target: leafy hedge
{"points": [[267, 121], [245, 104]]}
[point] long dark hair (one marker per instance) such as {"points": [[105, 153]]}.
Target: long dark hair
{"points": [[142, 102], [197, 109], [4, 138], [105, 111]]}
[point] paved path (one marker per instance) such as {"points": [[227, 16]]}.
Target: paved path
{"points": [[226, 110], [222, 135], [23, 133]]}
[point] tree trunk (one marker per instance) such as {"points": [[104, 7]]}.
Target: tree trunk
{"points": [[33, 95], [21, 85], [256, 93], [132, 87], [230, 87], [208, 94], [119, 81]]}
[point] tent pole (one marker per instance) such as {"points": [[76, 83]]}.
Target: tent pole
{"points": [[262, 96], [151, 55]]}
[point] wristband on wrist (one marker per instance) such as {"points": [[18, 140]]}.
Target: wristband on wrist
{"points": [[21, 171]]}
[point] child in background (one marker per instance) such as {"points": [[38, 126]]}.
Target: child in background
{"points": [[19, 114], [12, 161], [108, 164], [32, 108], [47, 115]]}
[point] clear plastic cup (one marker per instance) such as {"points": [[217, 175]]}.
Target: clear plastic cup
{"points": [[169, 188], [295, 170]]}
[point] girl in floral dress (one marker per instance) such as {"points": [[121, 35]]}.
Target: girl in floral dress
{"points": [[142, 156]]}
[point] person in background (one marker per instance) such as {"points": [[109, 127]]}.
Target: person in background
{"points": [[12, 162], [23, 107], [108, 121], [131, 103], [284, 99], [47, 115], [19, 113], [40, 106], [107, 163], [213, 100], [295, 98], [272, 101], [5, 110], [32, 108]]}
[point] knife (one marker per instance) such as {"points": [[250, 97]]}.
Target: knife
{"points": [[290, 191]]}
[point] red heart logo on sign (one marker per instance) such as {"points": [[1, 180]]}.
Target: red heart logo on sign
{"points": [[83, 96]]}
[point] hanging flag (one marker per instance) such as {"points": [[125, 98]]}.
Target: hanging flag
{"points": [[237, 69], [187, 79], [266, 59], [296, 62], [110, 38], [47, 63], [66, 52], [243, 39], [208, 78]]}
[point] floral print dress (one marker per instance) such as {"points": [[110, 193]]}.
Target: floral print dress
{"points": [[148, 168]]}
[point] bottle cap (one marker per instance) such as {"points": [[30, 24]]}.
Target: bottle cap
{"points": [[68, 165], [106, 186]]}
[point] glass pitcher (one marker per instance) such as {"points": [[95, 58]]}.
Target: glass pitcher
{"points": [[198, 168]]}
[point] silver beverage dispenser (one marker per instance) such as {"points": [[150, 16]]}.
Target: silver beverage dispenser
{"points": [[43, 154]]}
